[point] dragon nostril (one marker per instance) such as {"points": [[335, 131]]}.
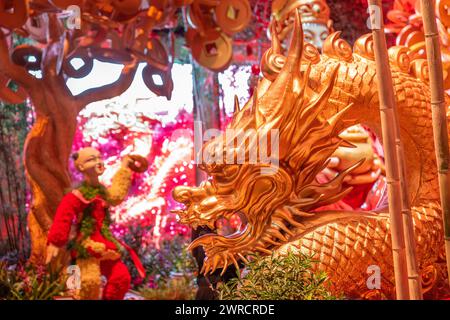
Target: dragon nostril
{"points": [[181, 194]]}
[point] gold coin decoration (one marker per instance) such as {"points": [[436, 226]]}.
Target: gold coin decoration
{"points": [[233, 16], [213, 50], [211, 23]]}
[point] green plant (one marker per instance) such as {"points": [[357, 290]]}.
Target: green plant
{"points": [[15, 123], [29, 283], [172, 257], [288, 277], [170, 269]]}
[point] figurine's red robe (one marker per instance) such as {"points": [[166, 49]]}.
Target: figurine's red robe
{"points": [[70, 214]]}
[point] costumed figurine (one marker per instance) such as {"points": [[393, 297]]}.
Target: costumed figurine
{"points": [[315, 15], [82, 222]]}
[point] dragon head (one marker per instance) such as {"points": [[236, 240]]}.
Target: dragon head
{"points": [[264, 166]]}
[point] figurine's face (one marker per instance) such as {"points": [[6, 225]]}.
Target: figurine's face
{"points": [[90, 162], [315, 33]]}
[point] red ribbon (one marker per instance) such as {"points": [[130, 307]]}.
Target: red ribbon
{"points": [[137, 262]]}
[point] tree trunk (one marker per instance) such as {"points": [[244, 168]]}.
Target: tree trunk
{"points": [[47, 151]]}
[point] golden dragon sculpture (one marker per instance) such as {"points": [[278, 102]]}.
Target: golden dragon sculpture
{"points": [[310, 98]]}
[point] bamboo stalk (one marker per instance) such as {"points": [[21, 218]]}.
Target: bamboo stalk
{"points": [[388, 125], [439, 114], [414, 277], [415, 280]]}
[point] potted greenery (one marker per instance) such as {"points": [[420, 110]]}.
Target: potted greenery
{"points": [[287, 277]]}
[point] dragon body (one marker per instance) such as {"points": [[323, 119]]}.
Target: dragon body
{"points": [[309, 98]]}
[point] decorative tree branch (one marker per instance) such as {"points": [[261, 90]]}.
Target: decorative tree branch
{"points": [[110, 90], [11, 70], [51, 73]]}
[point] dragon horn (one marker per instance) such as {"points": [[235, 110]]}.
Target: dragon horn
{"points": [[296, 47], [282, 93], [237, 108], [275, 44], [289, 72]]}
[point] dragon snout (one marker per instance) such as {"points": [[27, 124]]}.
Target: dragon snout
{"points": [[182, 194], [188, 195]]}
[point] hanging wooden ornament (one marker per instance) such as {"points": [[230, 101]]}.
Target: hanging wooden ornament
{"points": [[233, 16], [158, 81], [111, 50], [157, 51], [157, 74], [151, 51], [129, 34]]}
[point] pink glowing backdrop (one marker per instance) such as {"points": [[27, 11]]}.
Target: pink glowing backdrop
{"points": [[138, 122]]}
